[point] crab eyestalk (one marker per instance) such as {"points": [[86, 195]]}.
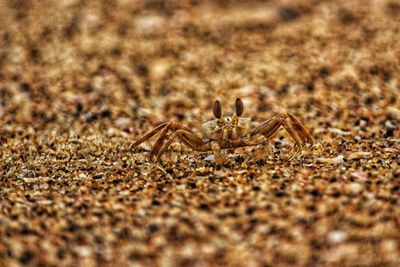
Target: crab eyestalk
{"points": [[239, 107], [217, 110]]}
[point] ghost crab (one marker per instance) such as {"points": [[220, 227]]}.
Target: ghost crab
{"points": [[227, 132]]}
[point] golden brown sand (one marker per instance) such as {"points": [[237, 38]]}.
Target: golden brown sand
{"points": [[81, 80]]}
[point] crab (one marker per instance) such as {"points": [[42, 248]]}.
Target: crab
{"points": [[227, 132]]}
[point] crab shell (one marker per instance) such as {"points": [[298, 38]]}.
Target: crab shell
{"points": [[227, 128]]}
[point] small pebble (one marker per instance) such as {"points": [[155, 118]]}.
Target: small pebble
{"points": [[355, 187], [336, 237], [359, 155], [210, 158], [359, 175], [337, 160], [395, 112], [98, 176], [123, 122], [338, 131]]}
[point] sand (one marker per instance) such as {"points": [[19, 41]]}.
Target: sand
{"points": [[80, 81]]}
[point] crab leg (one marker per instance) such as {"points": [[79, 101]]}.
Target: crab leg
{"points": [[269, 127], [174, 126], [300, 129], [189, 138], [164, 128], [159, 143], [149, 135], [301, 132], [298, 141], [294, 128]]}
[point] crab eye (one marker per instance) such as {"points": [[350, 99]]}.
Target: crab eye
{"points": [[217, 109], [239, 107]]}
